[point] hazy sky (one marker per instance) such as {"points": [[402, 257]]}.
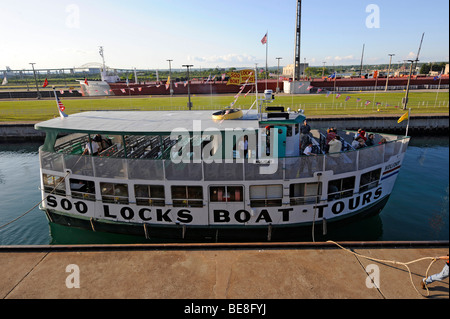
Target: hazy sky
{"points": [[210, 33]]}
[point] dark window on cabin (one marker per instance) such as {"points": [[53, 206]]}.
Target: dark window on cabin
{"points": [[305, 193], [54, 184], [114, 193], [289, 130], [226, 194], [341, 188], [369, 180], [82, 189], [187, 196], [266, 195], [149, 195]]}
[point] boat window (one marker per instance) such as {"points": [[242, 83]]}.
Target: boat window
{"points": [[149, 195], [266, 195], [341, 188], [289, 130], [187, 196], [226, 194], [114, 193], [297, 128], [369, 180], [55, 184], [82, 189], [305, 193]]}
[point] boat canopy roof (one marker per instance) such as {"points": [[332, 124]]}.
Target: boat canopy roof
{"points": [[154, 122]]}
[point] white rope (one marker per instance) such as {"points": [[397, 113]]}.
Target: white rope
{"points": [[433, 260]]}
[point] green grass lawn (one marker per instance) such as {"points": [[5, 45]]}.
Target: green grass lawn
{"points": [[313, 104]]}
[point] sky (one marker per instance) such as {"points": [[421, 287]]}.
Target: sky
{"points": [[144, 34]]}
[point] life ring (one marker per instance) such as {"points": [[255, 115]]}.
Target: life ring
{"points": [[229, 114]]}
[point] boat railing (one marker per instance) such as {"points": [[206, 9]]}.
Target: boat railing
{"points": [[250, 169]]}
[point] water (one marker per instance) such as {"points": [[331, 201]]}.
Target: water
{"points": [[417, 210]]}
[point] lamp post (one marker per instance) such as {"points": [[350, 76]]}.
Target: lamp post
{"points": [[278, 75], [389, 71], [189, 86], [35, 80], [405, 100], [170, 76], [323, 69]]}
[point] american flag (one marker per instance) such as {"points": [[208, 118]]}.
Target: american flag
{"points": [[347, 98], [264, 39], [338, 95], [60, 105], [367, 102]]}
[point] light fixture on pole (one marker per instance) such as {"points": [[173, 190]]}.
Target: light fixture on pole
{"points": [[389, 71], [189, 87], [278, 75], [35, 80]]}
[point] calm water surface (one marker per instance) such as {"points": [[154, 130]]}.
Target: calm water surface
{"points": [[417, 210]]}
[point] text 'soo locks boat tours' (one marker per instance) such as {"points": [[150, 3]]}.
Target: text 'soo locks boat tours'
{"points": [[192, 175]]}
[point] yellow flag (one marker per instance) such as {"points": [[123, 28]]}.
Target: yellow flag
{"points": [[404, 117]]}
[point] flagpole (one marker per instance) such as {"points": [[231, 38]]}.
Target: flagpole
{"points": [[267, 53], [439, 86], [407, 125], [61, 113]]}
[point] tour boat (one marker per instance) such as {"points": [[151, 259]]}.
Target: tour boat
{"points": [[190, 176]]}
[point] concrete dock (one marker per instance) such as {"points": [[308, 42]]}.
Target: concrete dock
{"points": [[221, 271]]}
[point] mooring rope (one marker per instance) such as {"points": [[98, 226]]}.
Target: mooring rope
{"points": [[31, 209], [433, 260]]}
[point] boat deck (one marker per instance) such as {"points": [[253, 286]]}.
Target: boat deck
{"points": [[220, 271]]}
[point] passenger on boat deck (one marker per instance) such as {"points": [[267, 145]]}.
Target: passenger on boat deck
{"points": [[305, 128], [331, 134], [243, 147], [357, 133], [361, 143], [305, 139], [362, 135], [370, 140], [92, 151], [356, 143], [335, 145], [308, 149], [382, 141], [98, 138]]}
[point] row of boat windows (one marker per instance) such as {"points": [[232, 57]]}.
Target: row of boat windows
{"points": [[192, 196]]}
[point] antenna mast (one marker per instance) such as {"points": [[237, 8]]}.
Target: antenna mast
{"points": [[418, 53], [297, 65]]}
